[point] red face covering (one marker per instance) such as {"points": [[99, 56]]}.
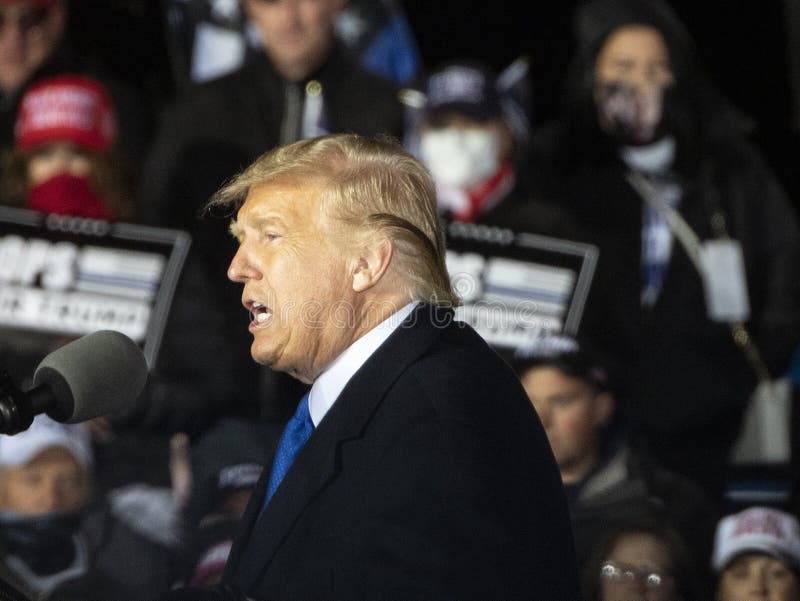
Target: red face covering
{"points": [[67, 194]]}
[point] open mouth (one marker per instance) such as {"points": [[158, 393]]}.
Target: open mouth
{"points": [[259, 314]]}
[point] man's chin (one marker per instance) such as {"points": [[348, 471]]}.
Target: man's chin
{"points": [[273, 361], [267, 358]]}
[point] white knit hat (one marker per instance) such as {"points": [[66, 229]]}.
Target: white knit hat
{"points": [[760, 530], [19, 449]]}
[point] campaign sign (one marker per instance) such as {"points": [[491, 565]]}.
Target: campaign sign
{"points": [[516, 286], [64, 277]]}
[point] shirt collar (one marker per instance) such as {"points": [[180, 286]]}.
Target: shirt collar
{"points": [[329, 385]]}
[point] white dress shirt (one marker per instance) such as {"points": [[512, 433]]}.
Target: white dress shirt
{"points": [[331, 382]]}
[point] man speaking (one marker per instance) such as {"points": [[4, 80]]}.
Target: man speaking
{"points": [[416, 467]]}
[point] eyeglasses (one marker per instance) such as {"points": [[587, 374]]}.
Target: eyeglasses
{"points": [[627, 574], [26, 20]]}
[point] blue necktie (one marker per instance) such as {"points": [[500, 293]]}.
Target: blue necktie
{"points": [[294, 436]]}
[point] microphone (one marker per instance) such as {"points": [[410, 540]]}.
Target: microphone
{"points": [[94, 375]]}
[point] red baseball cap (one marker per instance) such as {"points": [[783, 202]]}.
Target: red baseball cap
{"points": [[66, 107]]}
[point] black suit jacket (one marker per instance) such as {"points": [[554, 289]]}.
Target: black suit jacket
{"points": [[429, 478]]}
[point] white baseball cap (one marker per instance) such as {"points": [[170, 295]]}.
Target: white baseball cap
{"points": [[18, 449], [760, 530]]}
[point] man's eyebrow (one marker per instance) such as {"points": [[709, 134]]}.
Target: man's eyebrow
{"points": [[256, 223], [262, 221]]}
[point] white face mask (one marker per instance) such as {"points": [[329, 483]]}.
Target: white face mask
{"points": [[460, 157]]}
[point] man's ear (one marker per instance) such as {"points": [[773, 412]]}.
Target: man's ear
{"points": [[604, 405], [372, 261]]}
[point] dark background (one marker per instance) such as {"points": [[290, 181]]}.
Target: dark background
{"points": [[745, 47]]}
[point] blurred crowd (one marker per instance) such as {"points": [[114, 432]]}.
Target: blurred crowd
{"points": [[693, 311]]}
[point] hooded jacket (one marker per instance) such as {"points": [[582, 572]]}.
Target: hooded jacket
{"points": [[686, 371]]}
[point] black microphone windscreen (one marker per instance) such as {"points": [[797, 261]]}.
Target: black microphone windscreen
{"points": [[94, 375]]}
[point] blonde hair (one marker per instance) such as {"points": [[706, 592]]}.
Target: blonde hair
{"points": [[371, 185]]}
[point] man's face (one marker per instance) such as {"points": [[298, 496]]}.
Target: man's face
{"points": [[295, 272], [50, 482], [28, 36], [572, 414], [462, 152], [297, 34]]}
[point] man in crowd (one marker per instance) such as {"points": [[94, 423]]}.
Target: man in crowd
{"points": [[471, 131], [303, 84], [56, 540], [30, 32], [407, 483], [35, 43], [573, 390]]}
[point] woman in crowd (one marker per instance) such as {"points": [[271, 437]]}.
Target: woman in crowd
{"points": [[64, 152], [695, 291], [641, 559], [65, 162], [757, 556]]}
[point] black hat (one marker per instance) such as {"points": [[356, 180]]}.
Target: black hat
{"points": [[575, 358], [468, 87], [230, 455]]}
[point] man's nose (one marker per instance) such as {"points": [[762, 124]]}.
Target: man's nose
{"points": [[290, 9], [52, 497], [640, 79], [645, 78], [761, 585], [239, 270]]}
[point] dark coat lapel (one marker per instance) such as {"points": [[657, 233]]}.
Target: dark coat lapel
{"points": [[261, 535]]}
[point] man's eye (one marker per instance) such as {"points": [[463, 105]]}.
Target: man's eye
{"points": [[31, 478], [562, 401], [778, 572], [740, 573]]}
